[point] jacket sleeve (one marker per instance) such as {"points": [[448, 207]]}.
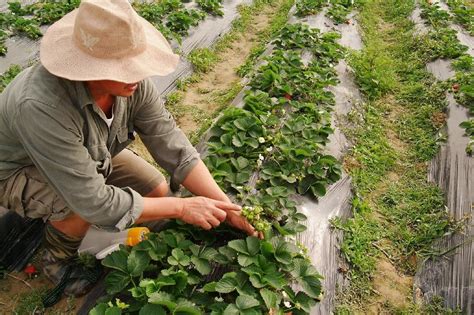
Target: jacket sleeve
{"points": [[166, 142], [52, 137]]}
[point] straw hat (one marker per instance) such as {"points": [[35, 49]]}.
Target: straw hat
{"points": [[106, 40]]}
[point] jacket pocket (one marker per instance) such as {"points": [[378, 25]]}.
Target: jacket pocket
{"points": [[123, 139], [102, 157]]}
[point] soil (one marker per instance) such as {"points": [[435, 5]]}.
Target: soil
{"points": [[223, 76], [393, 288], [18, 295]]}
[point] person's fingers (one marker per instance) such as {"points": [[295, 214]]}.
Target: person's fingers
{"points": [[227, 206], [213, 221], [219, 214], [250, 230], [238, 221], [205, 225]]}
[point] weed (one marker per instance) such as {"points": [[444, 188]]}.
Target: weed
{"points": [[436, 306], [8, 76], [399, 124], [411, 225], [174, 98], [31, 302], [182, 84], [203, 59], [371, 149], [360, 234], [174, 103]]}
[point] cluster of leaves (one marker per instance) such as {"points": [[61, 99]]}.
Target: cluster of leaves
{"points": [[445, 44], [442, 41], [434, 15], [26, 20], [213, 7], [308, 7], [202, 59], [337, 9], [273, 146], [8, 76], [463, 14], [463, 88], [183, 271], [170, 17]]}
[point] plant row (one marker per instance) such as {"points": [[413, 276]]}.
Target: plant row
{"points": [[337, 9], [169, 16], [274, 145], [463, 14], [448, 46], [264, 152]]}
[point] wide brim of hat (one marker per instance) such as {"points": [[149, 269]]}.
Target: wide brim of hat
{"points": [[60, 56]]}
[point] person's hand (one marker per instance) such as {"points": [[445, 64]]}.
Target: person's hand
{"points": [[204, 212], [235, 219]]}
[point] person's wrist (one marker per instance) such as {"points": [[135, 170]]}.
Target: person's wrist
{"points": [[180, 208]]}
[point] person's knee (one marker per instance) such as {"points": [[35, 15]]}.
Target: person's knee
{"points": [[161, 190], [72, 225]]}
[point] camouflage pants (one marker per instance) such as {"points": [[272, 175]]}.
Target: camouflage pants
{"points": [[29, 194]]}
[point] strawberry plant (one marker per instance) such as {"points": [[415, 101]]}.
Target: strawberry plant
{"points": [[182, 270], [308, 7], [463, 14], [213, 7], [47, 12], [434, 15], [469, 129], [443, 43], [284, 159], [181, 21], [340, 9]]}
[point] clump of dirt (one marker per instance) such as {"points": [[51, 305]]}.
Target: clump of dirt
{"points": [[393, 288], [439, 119]]}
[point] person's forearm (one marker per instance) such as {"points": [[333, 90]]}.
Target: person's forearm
{"points": [[161, 208], [201, 183]]}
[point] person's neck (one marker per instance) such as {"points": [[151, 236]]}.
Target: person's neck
{"points": [[105, 101]]}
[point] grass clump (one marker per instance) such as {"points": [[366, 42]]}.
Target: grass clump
{"points": [[203, 59], [371, 150], [31, 302], [396, 133], [415, 217], [360, 234], [8, 76]]}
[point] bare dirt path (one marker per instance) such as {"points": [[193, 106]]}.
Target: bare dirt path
{"points": [[201, 96]]}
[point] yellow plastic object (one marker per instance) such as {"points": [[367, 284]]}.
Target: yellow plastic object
{"points": [[136, 235]]}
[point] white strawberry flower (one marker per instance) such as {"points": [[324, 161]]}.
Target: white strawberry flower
{"points": [[261, 139]]}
